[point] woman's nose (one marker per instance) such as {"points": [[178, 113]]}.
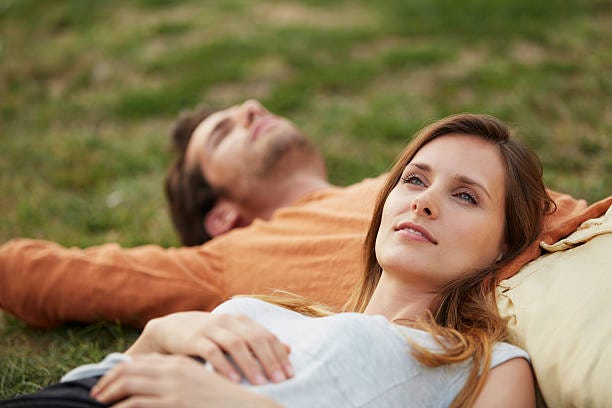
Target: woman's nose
{"points": [[424, 205]]}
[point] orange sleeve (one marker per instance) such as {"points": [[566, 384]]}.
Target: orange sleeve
{"points": [[569, 214], [312, 248], [45, 284]]}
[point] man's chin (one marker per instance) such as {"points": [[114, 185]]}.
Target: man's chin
{"points": [[286, 153]]}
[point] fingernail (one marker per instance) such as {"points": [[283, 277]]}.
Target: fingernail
{"points": [[235, 377], [260, 379], [278, 376], [289, 370]]}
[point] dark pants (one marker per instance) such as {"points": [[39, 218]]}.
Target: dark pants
{"points": [[72, 394]]}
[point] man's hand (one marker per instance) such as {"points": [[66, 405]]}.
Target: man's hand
{"points": [[161, 381], [254, 349]]}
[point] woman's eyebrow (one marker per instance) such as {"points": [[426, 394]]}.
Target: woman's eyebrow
{"points": [[421, 166], [472, 182]]}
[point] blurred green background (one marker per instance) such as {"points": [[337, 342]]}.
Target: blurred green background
{"points": [[89, 90]]}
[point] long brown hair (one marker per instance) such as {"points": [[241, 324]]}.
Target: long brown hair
{"points": [[464, 317]]}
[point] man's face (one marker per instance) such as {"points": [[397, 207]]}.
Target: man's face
{"points": [[244, 148]]}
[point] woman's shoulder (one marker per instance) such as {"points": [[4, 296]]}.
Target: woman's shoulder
{"points": [[503, 352]]}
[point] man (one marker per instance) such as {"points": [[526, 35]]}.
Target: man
{"points": [[236, 165], [248, 178]]}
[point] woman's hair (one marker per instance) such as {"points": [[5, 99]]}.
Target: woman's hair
{"points": [[190, 196], [464, 318]]}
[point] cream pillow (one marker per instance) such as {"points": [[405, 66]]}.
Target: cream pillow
{"points": [[559, 309]]}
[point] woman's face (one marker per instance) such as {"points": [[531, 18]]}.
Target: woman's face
{"points": [[445, 217]]}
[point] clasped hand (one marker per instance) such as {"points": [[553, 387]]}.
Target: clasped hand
{"points": [[170, 381], [256, 352]]}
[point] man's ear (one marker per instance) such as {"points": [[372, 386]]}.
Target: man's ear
{"points": [[223, 217]]}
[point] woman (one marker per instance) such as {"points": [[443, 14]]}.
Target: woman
{"points": [[461, 202]]}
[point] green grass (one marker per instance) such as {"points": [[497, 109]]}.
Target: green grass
{"points": [[89, 89], [50, 354]]}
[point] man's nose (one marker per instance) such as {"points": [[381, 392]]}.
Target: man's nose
{"points": [[251, 110]]}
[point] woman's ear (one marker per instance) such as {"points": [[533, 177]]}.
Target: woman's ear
{"points": [[223, 217]]}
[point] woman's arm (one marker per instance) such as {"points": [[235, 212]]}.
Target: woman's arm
{"points": [[215, 336], [159, 381], [508, 385]]}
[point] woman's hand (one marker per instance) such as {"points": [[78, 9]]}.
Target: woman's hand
{"points": [[158, 381], [254, 349]]}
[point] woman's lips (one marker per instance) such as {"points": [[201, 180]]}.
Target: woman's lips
{"points": [[416, 231]]}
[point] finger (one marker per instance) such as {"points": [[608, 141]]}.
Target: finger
{"points": [[264, 345], [126, 386], [282, 352], [136, 367], [287, 348], [118, 370], [270, 361], [236, 346], [270, 352], [142, 402], [110, 377], [212, 352]]}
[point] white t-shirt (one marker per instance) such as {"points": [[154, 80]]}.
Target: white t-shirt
{"points": [[347, 360]]}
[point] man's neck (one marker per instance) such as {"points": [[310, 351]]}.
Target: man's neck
{"points": [[282, 195], [295, 189], [300, 187]]}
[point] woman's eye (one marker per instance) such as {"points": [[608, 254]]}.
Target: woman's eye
{"points": [[412, 179], [467, 197]]}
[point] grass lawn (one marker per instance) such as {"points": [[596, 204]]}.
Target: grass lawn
{"points": [[89, 90]]}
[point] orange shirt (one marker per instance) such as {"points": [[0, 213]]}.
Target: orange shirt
{"points": [[312, 248]]}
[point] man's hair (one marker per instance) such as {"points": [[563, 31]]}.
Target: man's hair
{"points": [[190, 196]]}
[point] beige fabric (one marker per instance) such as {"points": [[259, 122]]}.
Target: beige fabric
{"points": [[559, 308]]}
